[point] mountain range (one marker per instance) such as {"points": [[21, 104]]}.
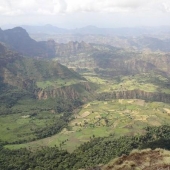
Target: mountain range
{"points": [[19, 40], [135, 31]]}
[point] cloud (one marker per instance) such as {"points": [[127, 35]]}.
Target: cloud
{"points": [[54, 7], [166, 7]]}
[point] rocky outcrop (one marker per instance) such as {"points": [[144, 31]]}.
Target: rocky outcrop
{"points": [[72, 48], [65, 92], [135, 94], [139, 159]]}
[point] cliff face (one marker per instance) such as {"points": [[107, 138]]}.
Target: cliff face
{"points": [[136, 94], [71, 48], [65, 92], [75, 91]]}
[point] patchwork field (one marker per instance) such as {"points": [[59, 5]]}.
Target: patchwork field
{"points": [[147, 82], [102, 118]]}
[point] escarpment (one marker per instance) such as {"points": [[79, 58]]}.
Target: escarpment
{"points": [[75, 91], [66, 92], [135, 94]]}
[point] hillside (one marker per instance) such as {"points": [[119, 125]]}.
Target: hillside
{"points": [[42, 79], [116, 61], [33, 88], [115, 69], [139, 160], [18, 39], [18, 71]]}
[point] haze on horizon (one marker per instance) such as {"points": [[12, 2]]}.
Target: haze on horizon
{"points": [[80, 13]]}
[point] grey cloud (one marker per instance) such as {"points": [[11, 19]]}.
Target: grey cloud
{"points": [[53, 7]]}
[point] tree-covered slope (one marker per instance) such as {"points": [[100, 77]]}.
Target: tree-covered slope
{"points": [[97, 151]]}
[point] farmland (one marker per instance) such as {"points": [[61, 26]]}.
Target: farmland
{"points": [[102, 118]]}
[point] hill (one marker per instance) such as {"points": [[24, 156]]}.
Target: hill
{"points": [[18, 39], [21, 72], [33, 88]]}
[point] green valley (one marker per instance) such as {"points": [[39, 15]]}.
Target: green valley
{"points": [[78, 105]]}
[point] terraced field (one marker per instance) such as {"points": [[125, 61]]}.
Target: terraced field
{"points": [[148, 82]]}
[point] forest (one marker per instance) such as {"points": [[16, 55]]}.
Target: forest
{"points": [[100, 151]]}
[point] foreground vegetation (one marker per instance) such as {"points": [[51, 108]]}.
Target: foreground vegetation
{"points": [[94, 152]]}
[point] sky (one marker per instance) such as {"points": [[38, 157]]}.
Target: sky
{"points": [[80, 13]]}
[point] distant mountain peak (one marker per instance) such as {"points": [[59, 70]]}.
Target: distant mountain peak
{"points": [[17, 29]]}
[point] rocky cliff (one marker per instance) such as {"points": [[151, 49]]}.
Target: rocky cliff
{"points": [[135, 94], [72, 48], [84, 91]]}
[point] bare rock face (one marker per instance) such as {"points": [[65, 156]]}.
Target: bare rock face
{"points": [[71, 48], [67, 92]]}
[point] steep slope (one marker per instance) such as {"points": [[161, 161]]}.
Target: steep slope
{"points": [[72, 48], [19, 40], [39, 77]]}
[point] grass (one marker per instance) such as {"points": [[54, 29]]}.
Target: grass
{"points": [[28, 116], [56, 84], [147, 82], [119, 117], [16, 127]]}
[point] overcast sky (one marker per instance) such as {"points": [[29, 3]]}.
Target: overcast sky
{"points": [[79, 13]]}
